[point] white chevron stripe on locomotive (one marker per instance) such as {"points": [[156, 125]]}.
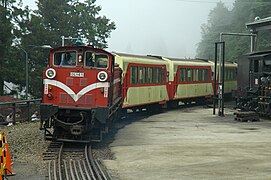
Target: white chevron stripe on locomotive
{"points": [[70, 91]]}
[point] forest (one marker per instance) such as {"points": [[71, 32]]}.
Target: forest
{"points": [[23, 31], [223, 19]]}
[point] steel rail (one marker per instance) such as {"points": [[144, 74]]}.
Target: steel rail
{"points": [[71, 169], [72, 163], [85, 168], [93, 164], [106, 170], [81, 169], [88, 162], [55, 170], [75, 169], [66, 169], [49, 170], [59, 161], [100, 169]]}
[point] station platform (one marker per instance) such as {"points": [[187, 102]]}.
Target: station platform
{"points": [[192, 143]]}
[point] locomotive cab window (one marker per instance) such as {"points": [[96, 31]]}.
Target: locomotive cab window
{"points": [[96, 60], [65, 58]]}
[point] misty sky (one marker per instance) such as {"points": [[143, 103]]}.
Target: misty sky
{"points": [[158, 27]]}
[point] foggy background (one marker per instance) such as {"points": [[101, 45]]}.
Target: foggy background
{"points": [[158, 27]]}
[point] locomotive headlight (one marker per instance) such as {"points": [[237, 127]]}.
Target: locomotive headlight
{"points": [[50, 73], [102, 76]]}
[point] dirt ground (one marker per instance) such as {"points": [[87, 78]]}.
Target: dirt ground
{"points": [[191, 143], [26, 145]]}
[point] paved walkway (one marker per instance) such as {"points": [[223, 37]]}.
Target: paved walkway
{"points": [[191, 143]]}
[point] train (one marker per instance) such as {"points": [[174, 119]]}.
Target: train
{"points": [[86, 88]]}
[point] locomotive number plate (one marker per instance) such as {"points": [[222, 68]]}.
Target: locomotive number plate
{"points": [[77, 74]]}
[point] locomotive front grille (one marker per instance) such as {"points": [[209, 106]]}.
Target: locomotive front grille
{"points": [[69, 81], [63, 98], [83, 82], [88, 98], [67, 99]]}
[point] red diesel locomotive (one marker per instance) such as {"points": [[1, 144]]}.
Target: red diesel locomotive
{"points": [[81, 93]]}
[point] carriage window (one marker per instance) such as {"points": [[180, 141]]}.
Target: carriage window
{"points": [[230, 74], [142, 71], [161, 75], [149, 75], [206, 75], [201, 74], [182, 75], [189, 75], [155, 75], [65, 58], [96, 60], [133, 75], [195, 75]]}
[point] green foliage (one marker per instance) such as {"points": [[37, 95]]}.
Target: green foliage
{"points": [[75, 19], [219, 19], [223, 20], [24, 31], [5, 41]]}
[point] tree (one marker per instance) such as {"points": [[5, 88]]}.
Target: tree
{"points": [[242, 13], [219, 20], [22, 28], [68, 18], [76, 19], [5, 40]]}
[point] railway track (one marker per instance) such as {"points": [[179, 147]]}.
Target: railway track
{"points": [[75, 162]]}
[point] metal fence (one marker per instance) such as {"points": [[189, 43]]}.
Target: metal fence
{"points": [[23, 110]]}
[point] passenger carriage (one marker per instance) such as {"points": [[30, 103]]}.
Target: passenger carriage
{"points": [[189, 80], [230, 77], [144, 81]]}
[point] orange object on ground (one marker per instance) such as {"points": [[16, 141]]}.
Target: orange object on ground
{"points": [[7, 158]]}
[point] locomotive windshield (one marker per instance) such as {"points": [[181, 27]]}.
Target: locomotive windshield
{"points": [[65, 58], [96, 60]]}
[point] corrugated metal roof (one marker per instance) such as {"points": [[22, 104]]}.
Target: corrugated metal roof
{"points": [[259, 23]]}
